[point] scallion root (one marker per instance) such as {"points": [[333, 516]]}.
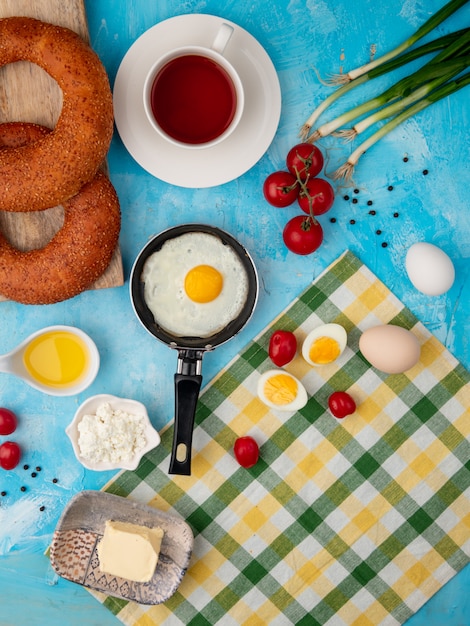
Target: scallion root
{"points": [[339, 79], [344, 171], [315, 136], [347, 134]]}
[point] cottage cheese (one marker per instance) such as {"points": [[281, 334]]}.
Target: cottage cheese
{"points": [[111, 436]]}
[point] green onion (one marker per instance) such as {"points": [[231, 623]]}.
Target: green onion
{"points": [[346, 170], [446, 11], [400, 89], [395, 107], [407, 57]]}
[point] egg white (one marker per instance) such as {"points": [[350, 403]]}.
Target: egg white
{"points": [[164, 274], [332, 331]]}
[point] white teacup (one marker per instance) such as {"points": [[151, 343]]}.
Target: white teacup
{"points": [[193, 96]]}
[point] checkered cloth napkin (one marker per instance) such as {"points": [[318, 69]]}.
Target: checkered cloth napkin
{"points": [[356, 522]]}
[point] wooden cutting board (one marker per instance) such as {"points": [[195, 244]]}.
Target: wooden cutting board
{"points": [[28, 94]]}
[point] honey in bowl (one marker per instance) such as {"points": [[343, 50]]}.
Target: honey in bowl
{"points": [[57, 358]]}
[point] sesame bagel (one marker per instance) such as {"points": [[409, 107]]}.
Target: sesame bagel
{"points": [[51, 169], [79, 252]]}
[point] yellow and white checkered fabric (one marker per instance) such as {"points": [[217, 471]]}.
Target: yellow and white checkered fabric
{"points": [[355, 522]]}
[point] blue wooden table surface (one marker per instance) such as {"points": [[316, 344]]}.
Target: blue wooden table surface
{"points": [[301, 37]]}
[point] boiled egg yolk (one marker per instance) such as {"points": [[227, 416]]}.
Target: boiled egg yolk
{"points": [[324, 344], [203, 283], [324, 350], [282, 391]]}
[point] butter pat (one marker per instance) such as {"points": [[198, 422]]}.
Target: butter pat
{"points": [[129, 550]]}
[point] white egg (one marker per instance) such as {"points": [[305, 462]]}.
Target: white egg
{"points": [[324, 344], [194, 285], [280, 390], [429, 268]]}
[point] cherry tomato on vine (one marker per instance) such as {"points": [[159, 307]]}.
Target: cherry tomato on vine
{"points": [[302, 234], [282, 347], [304, 160], [8, 422], [10, 454], [281, 189], [320, 193], [341, 404], [246, 451]]}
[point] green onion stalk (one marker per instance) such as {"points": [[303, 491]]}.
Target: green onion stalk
{"points": [[446, 11], [416, 53], [450, 58], [346, 170], [394, 108]]}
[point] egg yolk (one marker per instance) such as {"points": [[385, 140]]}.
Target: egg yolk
{"points": [[280, 389], [203, 283], [324, 350]]}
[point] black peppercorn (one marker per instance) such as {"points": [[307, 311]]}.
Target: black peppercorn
{"points": [[26, 467], [55, 480], [23, 488], [356, 191], [405, 159], [42, 508], [346, 197], [390, 187], [352, 221], [425, 172], [369, 203], [332, 220], [372, 212], [378, 232], [354, 200], [4, 493], [396, 214], [384, 244], [33, 474]]}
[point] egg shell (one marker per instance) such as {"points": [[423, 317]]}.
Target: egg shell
{"points": [[429, 269], [389, 348]]}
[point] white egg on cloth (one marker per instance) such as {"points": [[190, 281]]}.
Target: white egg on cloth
{"points": [[324, 344], [282, 391], [390, 348], [195, 285], [429, 269]]}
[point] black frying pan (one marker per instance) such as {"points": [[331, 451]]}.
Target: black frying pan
{"points": [[188, 376]]}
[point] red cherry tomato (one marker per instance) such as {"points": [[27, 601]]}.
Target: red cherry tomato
{"points": [[302, 235], [281, 189], [341, 404], [319, 193], [246, 451], [282, 347], [304, 160], [10, 454], [8, 422]]}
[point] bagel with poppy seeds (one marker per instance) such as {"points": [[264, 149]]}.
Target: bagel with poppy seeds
{"points": [[51, 169], [79, 252]]}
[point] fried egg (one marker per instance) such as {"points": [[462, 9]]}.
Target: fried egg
{"points": [[324, 344], [282, 391], [194, 285]]}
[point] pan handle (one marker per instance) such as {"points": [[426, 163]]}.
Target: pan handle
{"points": [[188, 381]]}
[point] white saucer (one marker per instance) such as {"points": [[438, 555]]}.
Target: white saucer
{"points": [[201, 167]]}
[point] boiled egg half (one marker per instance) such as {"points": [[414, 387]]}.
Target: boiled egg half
{"points": [[282, 391], [324, 344]]}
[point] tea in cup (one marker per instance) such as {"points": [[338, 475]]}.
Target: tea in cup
{"points": [[193, 96]]}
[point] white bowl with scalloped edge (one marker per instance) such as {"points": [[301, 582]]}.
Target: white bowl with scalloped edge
{"points": [[133, 407]]}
